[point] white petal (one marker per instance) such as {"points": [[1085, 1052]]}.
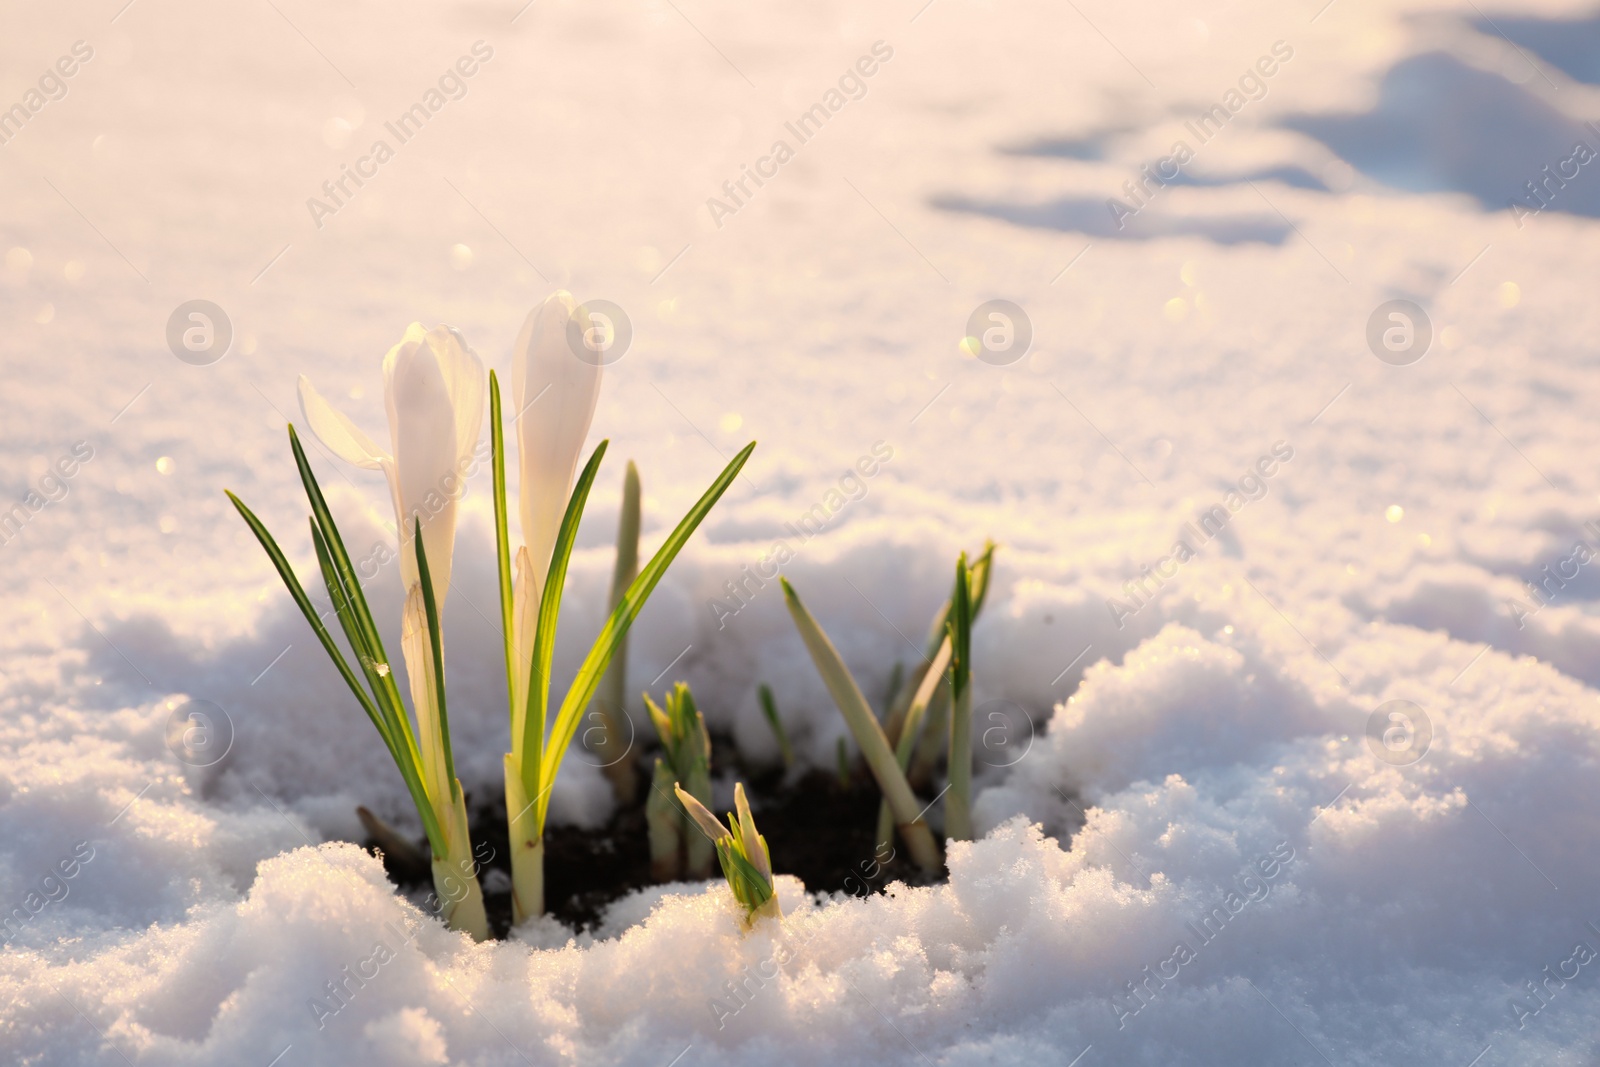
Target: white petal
{"points": [[554, 393], [334, 429], [466, 383], [709, 824], [423, 427]]}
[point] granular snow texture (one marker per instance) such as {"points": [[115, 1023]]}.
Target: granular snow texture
{"points": [[1318, 786]]}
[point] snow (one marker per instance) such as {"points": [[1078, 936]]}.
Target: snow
{"points": [[1226, 729]]}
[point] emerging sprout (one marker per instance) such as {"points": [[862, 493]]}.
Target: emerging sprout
{"points": [[868, 734], [742, 851], [608, 705], [958, 805], [769, 708], [927, 711], [530, 607], [675, 849]]}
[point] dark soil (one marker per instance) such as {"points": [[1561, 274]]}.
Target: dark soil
{"points": [[819, 831]]}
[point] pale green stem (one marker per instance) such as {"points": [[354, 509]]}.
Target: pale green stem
{"points": [[616, 741], [958, 801], [455, 877], [934, 734], [664, 818], [527, 848], [932, 676], [699, 850]]}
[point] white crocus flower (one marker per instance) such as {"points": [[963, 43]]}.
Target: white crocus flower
{"points": [[554, 393], [433, 385]]}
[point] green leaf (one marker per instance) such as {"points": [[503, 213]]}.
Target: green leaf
{"points": [[502, 540], [958, 799], [297, 592], [535, 779], [749, 887], [613, 686], [769, 708], [978, 577], [336, 549], [352, 584], [409, 761], [960, 631], [616, 627], [431, 609], [341, 607]]}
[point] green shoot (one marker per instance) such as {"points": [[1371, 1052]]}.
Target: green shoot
{"points": [[933, 676], [769, 708], [609, 707], [429, 778], [935, 729], [538, 743], [746, 863], [868, 733], [958, 801], [674, 851], [927, 709], [897, 675]]}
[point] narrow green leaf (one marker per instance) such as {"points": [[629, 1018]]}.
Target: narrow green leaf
{"points": [[534, 778], [978, 577], [341, 607], [286, 572], [407, 759], [616, 627], [961, 630], [614, 685], [303, 602], [336, 549], [769, 708], [502, 539], [958, 801], [749, 887], [435, 639], [347, 573]]}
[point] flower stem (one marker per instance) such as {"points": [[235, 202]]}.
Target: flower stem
{"points": [[616, 741], [527, 848], [455, 877]]}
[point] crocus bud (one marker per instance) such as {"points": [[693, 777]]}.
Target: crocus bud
{"points": [[708, 823], [433, 386], [555, 393]]}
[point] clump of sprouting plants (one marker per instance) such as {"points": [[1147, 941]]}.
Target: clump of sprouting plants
{"points": [[677, 847], [943, 682], [435, 388], [742, 851]]}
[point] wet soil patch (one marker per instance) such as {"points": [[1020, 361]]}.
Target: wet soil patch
{"points": [[817, 829]]}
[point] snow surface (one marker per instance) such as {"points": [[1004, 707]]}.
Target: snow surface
{"points": [[1224, 732]]}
